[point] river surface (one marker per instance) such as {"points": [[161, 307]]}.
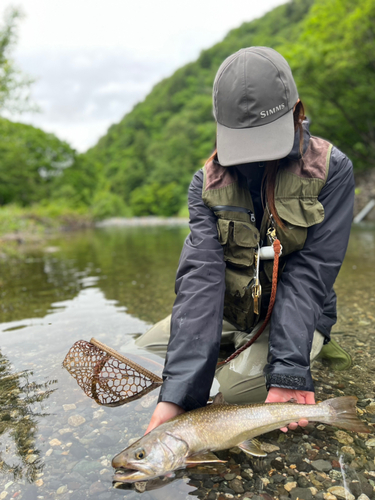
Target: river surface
{"points": [[112, 284]]}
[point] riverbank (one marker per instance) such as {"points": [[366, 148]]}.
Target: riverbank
{"points": [[33, 226]]}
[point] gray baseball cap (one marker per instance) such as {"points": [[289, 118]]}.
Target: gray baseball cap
{"points": [[253, 96]]}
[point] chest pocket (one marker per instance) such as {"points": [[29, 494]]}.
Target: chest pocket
{"points": [[239, 240]]}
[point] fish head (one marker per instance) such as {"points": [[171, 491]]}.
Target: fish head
{"points": [[153, 455]]}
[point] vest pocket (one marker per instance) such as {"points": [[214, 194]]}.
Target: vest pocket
{"points": [[238, 303], [239, 240]]}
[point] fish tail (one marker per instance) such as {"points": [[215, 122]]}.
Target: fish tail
{"points": [[344, 414]]}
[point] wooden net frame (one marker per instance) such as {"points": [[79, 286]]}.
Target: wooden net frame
{"points": [[107, 376]]}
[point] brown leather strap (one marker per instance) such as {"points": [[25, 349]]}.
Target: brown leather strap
{"points": [[277, 250]]}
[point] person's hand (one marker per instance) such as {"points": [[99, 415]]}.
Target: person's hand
{"points": [[164, 411], [279, 395]]}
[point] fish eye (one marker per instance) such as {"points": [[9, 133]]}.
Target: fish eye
{"points": [[139, 454]]}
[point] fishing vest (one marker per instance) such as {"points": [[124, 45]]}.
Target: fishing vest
{"points": [[225, 192]]}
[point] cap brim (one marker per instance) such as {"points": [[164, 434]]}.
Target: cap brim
{"points": [[247, 145]]}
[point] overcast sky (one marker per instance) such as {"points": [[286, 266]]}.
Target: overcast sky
{"points": [[94, 59]]}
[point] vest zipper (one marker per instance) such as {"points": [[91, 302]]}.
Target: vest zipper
{"points": [[228, 208]]}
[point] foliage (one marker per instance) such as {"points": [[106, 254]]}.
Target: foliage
{"points": [[30, 159], [14, 85], [156, 199], [107, 204], [144, 164], [41, 217], [334, 65], [168, 136]]}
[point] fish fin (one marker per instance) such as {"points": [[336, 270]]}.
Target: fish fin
{"points": [[252, 447], [345, 414], [219, 399], [201, 458]]}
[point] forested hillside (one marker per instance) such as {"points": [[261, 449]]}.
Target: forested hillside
{"points": [[149, 157], [144, 164]]}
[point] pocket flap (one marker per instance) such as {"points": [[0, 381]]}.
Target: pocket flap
{"points": [[223, 230], [245, 235], [300, 212]]}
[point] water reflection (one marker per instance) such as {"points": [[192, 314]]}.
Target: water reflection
{"points": [[134, 266], [112, 284], [20, 409]]}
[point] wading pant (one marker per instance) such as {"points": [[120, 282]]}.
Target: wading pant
{"points": [[241, 380]]}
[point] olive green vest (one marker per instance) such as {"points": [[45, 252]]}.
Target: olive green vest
{"points": [[225, 192]]}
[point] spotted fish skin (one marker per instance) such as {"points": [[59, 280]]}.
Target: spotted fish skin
{"points": [[188, 437]]}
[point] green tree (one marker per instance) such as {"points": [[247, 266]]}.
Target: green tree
{"points": [[334, 65], [168, 136], [30, 162], [14, 85]]}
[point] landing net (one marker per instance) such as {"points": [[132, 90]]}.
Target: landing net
{"points": [[106, 376]]}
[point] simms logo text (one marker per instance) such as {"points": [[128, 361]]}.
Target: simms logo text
{"points": [[271, 111]]}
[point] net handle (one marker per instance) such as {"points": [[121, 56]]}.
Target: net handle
{"points": [[120, 357]]}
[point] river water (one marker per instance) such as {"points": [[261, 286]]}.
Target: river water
{"points": [[112, 284]]}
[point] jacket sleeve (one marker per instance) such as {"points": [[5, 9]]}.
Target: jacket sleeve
{"points": [[307, 280], [197, 313]]}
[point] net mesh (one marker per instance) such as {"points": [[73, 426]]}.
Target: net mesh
{"points": [[106, 376]]}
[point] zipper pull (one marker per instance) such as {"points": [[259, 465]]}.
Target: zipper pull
{"points": [[252, 216], [256, 288]]}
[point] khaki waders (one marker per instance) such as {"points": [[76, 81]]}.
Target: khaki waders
{"points": [[242, 379]]}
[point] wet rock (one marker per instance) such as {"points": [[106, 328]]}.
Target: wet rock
{"points": [[236, 486], [277, 464], [370, 443], [78, 451], [96, 488], [85, 467], [74, 485], [290, 486], [321, 465], [363, 497], [105, 496], [247, 474], [76, 420], [31, 493], [269, 448], [31, 459], [301, 494], [348, 450], [303, 482], [69, 407], [55, 442], [62, 490], [278, 478], [78, 495], [229, 476], [335, 474], [343, 438], [329, 496], [341, 493], [370, 408], [225, 489]]}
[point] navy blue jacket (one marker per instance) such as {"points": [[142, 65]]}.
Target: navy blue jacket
{"points": [[305, 298]]}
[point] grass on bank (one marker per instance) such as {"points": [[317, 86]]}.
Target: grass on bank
{"points": [[40, 219]]}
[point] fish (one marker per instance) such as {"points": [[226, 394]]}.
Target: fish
{"points": [[191, 438]]}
